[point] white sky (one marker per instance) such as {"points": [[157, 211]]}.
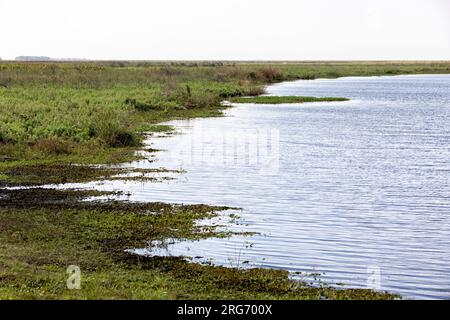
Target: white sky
{"points": [[226, 29]]}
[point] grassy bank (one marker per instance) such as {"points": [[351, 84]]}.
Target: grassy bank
{"points": [[58, 119]]}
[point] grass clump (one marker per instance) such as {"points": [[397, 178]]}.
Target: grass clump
{"points": [[66, 109], [27, 174], [283, 99]]}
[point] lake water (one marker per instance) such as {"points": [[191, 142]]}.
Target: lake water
{"points": [[358, 191]]}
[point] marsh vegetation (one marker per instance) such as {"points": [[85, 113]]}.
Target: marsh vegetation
{"points": [[58, 119], [96, 112]]}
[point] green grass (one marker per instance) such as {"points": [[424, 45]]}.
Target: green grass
{"points": [[283, 99]]}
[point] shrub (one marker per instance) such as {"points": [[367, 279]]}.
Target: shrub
{"points": [[271, 74], [123, 139], [65, 131], [199, 100], [111, 126], [53, 145], [307, 77]]}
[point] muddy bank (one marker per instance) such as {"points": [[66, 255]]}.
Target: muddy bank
{"points": [[45, 174]]}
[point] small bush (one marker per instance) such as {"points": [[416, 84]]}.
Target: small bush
{"points": [[252, 91], [271, 74], [200, 100], [123, 139], [112, 127], [189, 98], [53, 145]]}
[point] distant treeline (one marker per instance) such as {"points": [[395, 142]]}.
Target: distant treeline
{"points": [[46, 59], [32, 58]]}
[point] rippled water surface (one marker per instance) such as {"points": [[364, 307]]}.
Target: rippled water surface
{"points": [[357, 191]]}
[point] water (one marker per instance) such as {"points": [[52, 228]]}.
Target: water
{"points": [[357, 191]]}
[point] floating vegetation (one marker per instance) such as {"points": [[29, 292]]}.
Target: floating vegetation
{"points": [[283, 99]]}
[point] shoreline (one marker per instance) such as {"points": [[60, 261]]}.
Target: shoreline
{"points": [[37, 238]]}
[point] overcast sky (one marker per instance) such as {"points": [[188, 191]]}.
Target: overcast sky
{"points": [[226, 29]]}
